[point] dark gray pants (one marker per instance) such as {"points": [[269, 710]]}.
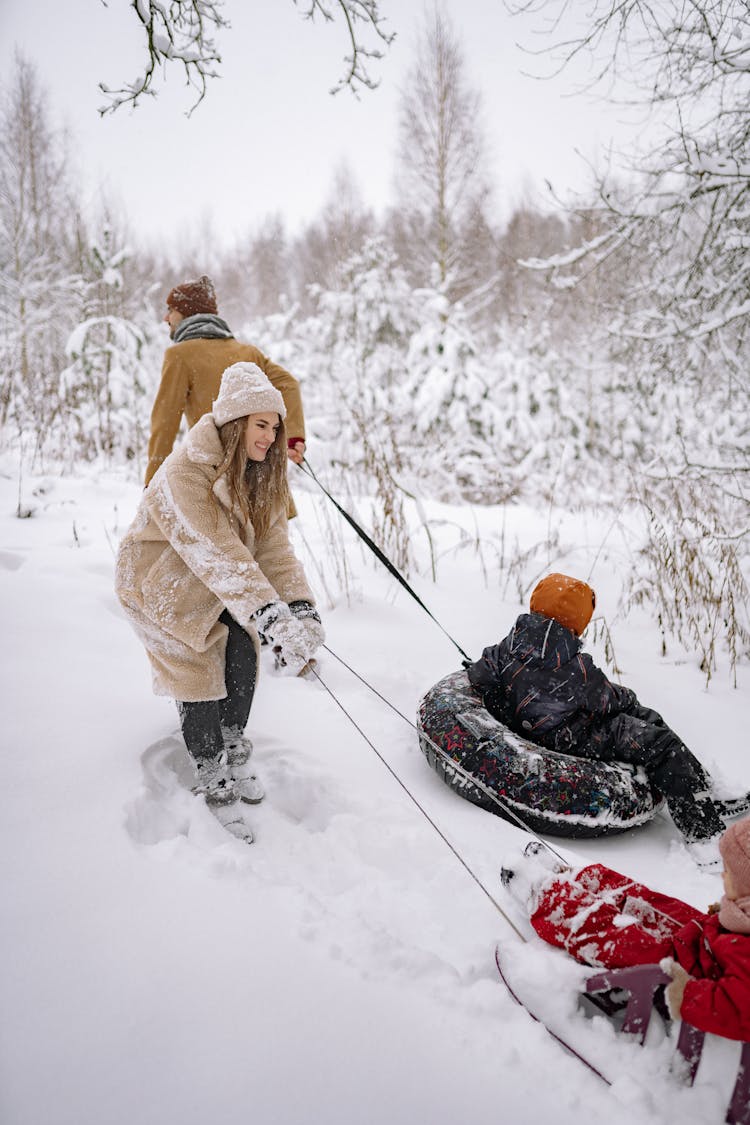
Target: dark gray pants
{"points": [[204, 724], [641, 737]]}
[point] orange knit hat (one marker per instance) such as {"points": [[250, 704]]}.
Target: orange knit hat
{"points": [[568, 600]]}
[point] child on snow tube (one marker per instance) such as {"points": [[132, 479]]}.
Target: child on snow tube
{"points": [[538, 682], [606, 920]]}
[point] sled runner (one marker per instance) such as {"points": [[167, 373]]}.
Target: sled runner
{"points": [[642, 983], [627, 996], [555, 794]]}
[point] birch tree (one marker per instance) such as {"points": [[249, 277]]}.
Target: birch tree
{"points": [[440, 174]]}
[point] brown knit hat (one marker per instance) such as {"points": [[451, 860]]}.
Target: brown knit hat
{"points": [[568, 600], [193, 297], [734, 846]]}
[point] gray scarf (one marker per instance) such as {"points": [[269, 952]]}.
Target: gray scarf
{"points": [[202, 326]]}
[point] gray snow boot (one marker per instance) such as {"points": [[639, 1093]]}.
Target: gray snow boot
{"points": [[249, 788], [238, 747], [214, 782], [230, 816]]}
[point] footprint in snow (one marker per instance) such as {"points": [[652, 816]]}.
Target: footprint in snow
{"points": [[166, 809], [11, 560], [302, 794], [161, 811], [166, 814]]}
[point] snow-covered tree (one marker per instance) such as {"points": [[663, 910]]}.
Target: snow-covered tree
{"points": [[681, 323], [359, 336], [349, 355], [104, 388], [328, 242], [687, 215], [74, 316], [39, 285]]}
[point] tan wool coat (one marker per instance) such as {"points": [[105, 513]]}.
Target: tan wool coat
{"points": [[188, 556], [190, 380]]}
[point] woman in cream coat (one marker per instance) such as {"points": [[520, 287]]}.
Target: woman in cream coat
{"points": [[205, 566]]}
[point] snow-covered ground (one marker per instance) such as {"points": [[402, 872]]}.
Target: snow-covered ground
{"points": [[341, 969]]}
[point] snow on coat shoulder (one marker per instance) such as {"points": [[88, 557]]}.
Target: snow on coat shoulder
{"points": [[186, 557]]}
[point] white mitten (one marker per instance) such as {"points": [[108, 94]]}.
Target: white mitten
{"points": [[286, 636], [309, 618]]}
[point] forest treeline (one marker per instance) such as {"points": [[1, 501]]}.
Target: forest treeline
{"points": [[592, 355]]}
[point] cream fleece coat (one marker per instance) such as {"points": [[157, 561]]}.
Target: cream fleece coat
{"points": [[188, 556]]}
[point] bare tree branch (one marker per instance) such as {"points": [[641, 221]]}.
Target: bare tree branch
{"points": [[182, 31], [688, 212], [355, 13]]}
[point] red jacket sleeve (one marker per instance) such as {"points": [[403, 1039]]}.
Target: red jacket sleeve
{"points": [[717, 997], [606, 919]]}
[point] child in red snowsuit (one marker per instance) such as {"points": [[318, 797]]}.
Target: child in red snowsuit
{"points": [[604, 919]]}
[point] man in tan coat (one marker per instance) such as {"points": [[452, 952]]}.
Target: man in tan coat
{"points": [[203, 347]]}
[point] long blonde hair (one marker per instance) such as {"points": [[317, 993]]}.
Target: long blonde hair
{"points": [[258, 488]]}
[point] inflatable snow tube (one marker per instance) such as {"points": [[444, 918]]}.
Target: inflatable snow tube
{"points": [[553, 794]]}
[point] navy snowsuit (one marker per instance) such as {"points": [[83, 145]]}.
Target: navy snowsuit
{"points": [[538, 682]]}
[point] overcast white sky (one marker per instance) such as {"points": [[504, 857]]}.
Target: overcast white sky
{"points": [[269, 136]]}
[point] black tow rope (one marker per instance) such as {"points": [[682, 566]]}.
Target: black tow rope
{"points": [[314, 671], [504, 808], [476, 782], [306, 468]]}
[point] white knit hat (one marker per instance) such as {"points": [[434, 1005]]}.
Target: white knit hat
{"points": [[246, 390]]}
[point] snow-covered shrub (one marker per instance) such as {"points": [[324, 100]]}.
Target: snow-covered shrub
{"points": [[693, 572], [103, 390]]}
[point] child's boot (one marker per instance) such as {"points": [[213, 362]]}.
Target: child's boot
{"points": [[525, 874], [699, 822]]}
